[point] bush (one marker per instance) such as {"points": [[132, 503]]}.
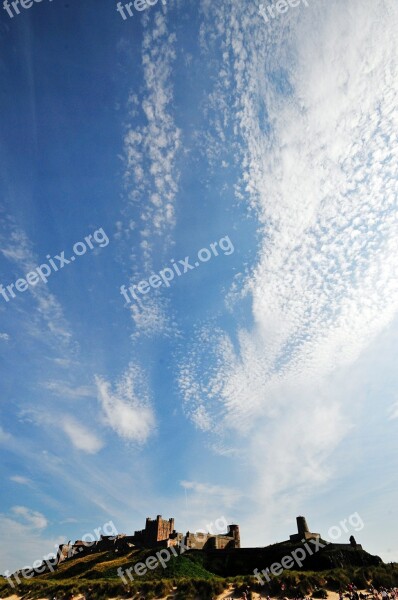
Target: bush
{"points": [[163, 588], [186, 591], [305, 587], [338, 581], [383, 580], [360, 580]]}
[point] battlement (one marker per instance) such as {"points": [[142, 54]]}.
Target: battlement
{"points": [[156, 531]]}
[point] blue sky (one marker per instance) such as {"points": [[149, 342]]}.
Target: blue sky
{"points": [[258, 386]]}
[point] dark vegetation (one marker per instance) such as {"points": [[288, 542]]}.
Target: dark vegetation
{"points": [[203, 575]]}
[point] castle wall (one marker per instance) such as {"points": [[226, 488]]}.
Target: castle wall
{"points": [[208, 541], [161, 532], [345, 546]]}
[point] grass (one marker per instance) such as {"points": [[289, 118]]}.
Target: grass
{"points": [[191, 576]]}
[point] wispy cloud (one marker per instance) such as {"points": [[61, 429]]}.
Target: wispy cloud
{"points": [[4, 337], [25, 532], [151, 149], [152, 317], [31, 518], [64, 389], [394, 411], [205, 493], [81, 437], [320, 175], [21, 480], [4, 435], [127, 410], [152, 143], [18, 249], [63, 362], [69, 520]]}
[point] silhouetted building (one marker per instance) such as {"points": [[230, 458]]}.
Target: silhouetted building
{"points": [[303, 532]]}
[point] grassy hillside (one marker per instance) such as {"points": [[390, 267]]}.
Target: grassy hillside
{"points": [[244, 560], [105, 565], [198, 574], [96, 576]]}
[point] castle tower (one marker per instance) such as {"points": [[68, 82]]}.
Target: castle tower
{"points": [[156, 530], [233, 531], [302, 526], [303, 533]]}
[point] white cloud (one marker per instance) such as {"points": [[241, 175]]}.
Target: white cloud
{"points": [[32, 518], [26, 541], [81, 437], [394, 411], [151, 150], [4, 337], [63, 362], [152, 318], [127, 410], [203, 501], [152, 145], [69, 520], [321, 179], [21, 480], [17, 248], [222, 493], [4, 436], [64, 389]]}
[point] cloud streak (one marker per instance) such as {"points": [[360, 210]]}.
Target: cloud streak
{"points": [[151, 149], [32, 518], [82, 438], [18, 249], [127, 410]]}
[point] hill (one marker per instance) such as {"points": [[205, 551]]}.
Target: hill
{"points": [[199, 574]]}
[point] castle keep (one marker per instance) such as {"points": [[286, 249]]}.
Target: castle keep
{"points": [[161, 532], [156, 531]]}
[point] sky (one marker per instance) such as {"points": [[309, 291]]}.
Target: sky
{"points": [[253, 163]]}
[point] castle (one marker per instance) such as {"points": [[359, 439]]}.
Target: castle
{"points": [[161, 532], [158, 533]]}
